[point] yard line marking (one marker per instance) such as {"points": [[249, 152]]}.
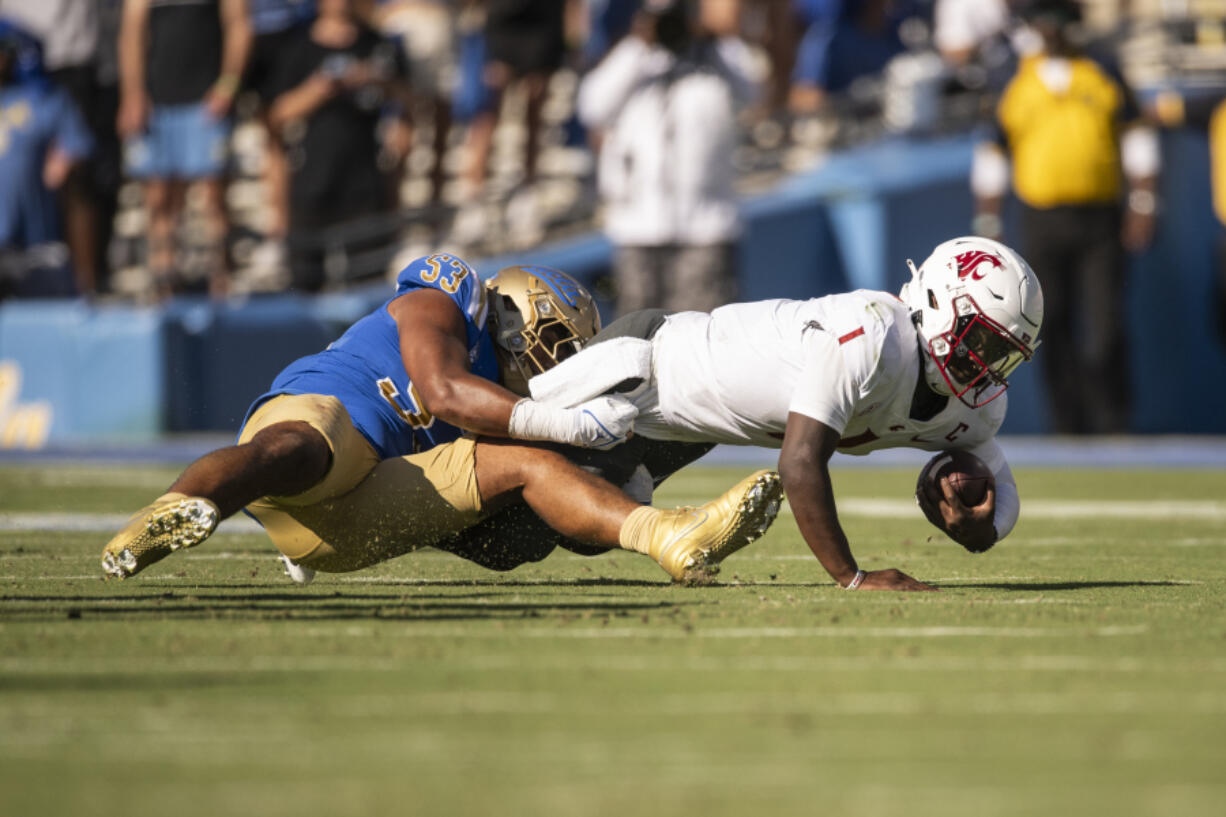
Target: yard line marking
{"points": [[778, 632], [61, 522], [1060, 509], [875, 507], [463, 702], [1206, 510], [97, 665]]}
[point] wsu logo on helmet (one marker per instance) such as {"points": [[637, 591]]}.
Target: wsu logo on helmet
{"points": [[971, 263]]}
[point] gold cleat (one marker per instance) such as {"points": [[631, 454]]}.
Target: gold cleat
{"points": [[173, 521], [690, 543]]}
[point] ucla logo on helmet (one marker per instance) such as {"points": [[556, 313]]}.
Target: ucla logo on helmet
{"points": [[561, 284]]}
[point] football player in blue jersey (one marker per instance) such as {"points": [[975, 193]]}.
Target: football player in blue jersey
{"points": [[402, 433]]}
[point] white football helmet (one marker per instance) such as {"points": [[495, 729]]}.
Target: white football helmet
{"points": [[539, 316], [977, 306]]}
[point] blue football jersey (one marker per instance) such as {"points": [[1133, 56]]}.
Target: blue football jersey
{"points": [[364, 370]]}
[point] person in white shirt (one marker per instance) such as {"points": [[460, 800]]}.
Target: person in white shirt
{"points": [[853, 372], [664, 101], [961, 27]]}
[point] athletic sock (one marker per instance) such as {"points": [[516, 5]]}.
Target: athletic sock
{"points": [[636, 531]]}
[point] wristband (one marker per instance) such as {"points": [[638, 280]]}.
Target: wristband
{"points": [[1142, 202], [227, 84], [855, 582]]}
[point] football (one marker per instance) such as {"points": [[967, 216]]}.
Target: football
{"points": [[971, 477]]}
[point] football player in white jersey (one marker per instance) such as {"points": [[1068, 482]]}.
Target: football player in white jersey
{"points": [[853, 372]]}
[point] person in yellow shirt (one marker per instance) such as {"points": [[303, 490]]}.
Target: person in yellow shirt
{"points": [[1083, 172]]}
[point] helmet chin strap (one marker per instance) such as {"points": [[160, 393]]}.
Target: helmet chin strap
{"points": [[932, 374]]}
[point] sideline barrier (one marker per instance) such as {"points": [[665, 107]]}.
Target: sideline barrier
{"points": [[124, 372]]}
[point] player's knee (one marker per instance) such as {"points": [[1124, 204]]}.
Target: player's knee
{"points": [[294, 445], [534, 462]]}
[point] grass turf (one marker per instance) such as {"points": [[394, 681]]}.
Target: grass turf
{"points": [[1078, 668]]}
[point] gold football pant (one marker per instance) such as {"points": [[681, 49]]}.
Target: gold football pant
{"points": [[365, 510]]}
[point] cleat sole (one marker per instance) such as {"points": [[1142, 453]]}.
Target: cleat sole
{"points": [[184, 523]]}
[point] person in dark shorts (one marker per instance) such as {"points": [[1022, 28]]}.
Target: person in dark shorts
{"points": [[181, 62], [342, 78]]}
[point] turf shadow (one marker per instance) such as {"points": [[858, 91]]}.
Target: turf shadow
{"points": [[281, 606], [392, 583]]}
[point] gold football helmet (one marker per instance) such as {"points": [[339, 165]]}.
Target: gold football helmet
{"points": [[539, 316]]}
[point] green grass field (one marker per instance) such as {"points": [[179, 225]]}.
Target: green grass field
{"points": [[1079, 668]]}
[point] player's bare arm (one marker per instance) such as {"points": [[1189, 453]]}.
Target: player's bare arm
{"points": [[236, 48], [302, 100], [435, 354], [433, 348], [804, 460], [133, 112]]}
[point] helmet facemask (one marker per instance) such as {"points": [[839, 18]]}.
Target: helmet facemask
{"points": [[538, 318], [976, 356]]}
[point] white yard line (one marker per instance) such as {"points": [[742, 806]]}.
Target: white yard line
{"points": [[59, 522], [466, 702], [1212, 511], [612, 663]]}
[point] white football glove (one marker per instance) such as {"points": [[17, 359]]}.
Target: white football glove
{"points": [[602, 422]]}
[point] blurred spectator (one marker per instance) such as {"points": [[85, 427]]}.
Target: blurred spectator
{"points": [[181, 62], [525, 42], [78, 39], [962, 27], [42, 137], [274, 24], [776, 27], [1060, 118], [666, 98], [426, 30], [982, 40], [345, 157], [843, 42], [607, 22]]}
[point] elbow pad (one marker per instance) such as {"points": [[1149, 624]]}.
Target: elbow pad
{"points": [[1008, 508]]}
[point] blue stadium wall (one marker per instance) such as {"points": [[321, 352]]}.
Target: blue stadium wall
{"points": [[71, 371]]}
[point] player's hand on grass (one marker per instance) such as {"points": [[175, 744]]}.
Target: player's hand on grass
{"points": [[891, 579]]}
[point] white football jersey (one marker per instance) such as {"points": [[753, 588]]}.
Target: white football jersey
{"points": [[850, 361]]}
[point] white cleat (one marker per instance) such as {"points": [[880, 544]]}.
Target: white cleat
{"points": [[300, 574]]}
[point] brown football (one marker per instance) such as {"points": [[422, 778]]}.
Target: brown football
{"points": [[969, 474]]}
